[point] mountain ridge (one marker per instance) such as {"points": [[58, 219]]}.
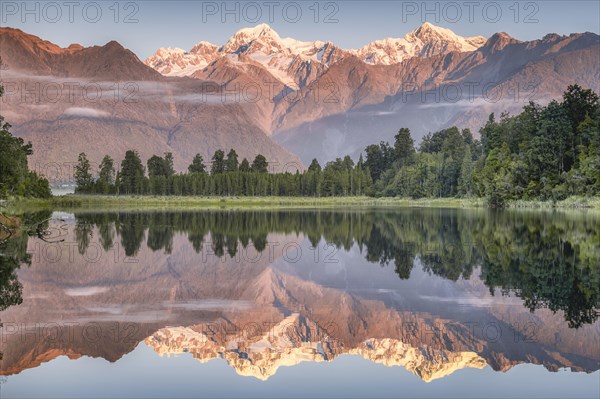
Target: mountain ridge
{"points": [[102, 100], [277, 53], [23, 51], [314, 100]]}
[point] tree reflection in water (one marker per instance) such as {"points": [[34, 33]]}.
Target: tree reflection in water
{"points": [[550, 260]]}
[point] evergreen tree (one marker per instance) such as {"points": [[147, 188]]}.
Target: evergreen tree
{"points": [[244, 166], [106, 176], [589, 130], [83, 176], [169, 170], [361, 162], [259, 165], [404, 147], [161, 166], [548, 151], [497, 176], [379, 158], [218, 163], [131, 176], [314, 166], [197, 165], [107, 170], [156, 166], [13, 160], [348, 163], [231, 164], [489, 135]]}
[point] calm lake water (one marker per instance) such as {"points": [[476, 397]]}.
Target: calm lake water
{"points": [[364, 303]]}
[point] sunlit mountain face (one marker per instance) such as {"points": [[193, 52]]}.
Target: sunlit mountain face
{"points": [[288, 99], [435, 293]]}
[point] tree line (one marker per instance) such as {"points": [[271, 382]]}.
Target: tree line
{"points": [[226, 176], [545, 152]]}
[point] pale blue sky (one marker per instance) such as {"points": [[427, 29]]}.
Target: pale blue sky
{"points": [[143, 373], [351, 24]]}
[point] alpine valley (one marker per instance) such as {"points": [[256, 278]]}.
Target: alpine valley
{"points": [[289, 100]]}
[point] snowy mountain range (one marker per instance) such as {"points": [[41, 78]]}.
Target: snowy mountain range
{"points": [[315, 99], [284, 57]]}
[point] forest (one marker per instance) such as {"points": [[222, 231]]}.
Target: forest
{"points": [[544, 153]]}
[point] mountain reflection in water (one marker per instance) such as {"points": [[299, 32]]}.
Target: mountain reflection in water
{"points": [[430, 290]]}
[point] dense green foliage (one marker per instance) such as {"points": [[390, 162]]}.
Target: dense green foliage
{"points": [[434, 171], [545, 153], [15, 177]]}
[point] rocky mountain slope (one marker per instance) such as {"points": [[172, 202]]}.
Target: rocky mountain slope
{"points": [[328, 101], [426, 94], [259, 93]]}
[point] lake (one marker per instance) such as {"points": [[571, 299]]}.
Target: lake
{"points": [[410, 302]]}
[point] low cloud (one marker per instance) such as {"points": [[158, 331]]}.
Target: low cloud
{"points": [[86, 112], [210, 304], [85, 291]]}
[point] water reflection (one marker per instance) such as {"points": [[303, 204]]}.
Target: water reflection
{"points": [[13, 253], [549, 264], [431, 290]]}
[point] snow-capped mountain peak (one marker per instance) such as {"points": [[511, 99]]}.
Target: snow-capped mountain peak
{"points": [[283, 57], [167, 51], [256, 32], [425, 41], [243, 39], [428, 29], [178, 62], [430, 33], [203, 46]]}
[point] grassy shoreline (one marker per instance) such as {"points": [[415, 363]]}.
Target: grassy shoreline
{"points": [[100, 202]]}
